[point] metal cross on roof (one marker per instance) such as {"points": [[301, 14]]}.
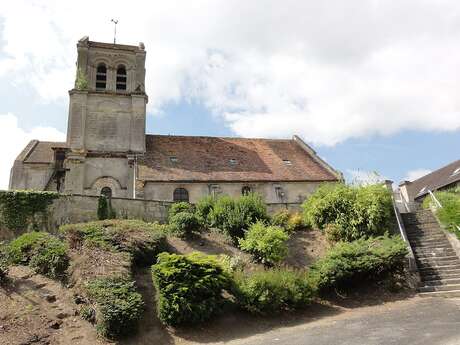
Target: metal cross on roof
{"points": [[115, 22]]}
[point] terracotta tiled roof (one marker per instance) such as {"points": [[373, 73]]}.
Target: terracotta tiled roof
{"points": [[39, 152], [187, 158], [437, 179]]}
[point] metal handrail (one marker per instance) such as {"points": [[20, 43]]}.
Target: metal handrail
{"points": [[402, 231]]}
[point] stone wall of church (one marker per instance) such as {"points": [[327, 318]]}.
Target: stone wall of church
{"points": [[106, 122], [272, 192], [114, 173], [30, 176]]}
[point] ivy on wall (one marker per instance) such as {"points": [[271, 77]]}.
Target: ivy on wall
{"points": [[18, 208]]}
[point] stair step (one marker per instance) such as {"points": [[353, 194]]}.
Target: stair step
{"points": [[439, 275], [429, 246], [448, 287], [445, 294], [426, 270], [434, 252], [444, 241], [436, 265], [438, 282], [429, 258]]}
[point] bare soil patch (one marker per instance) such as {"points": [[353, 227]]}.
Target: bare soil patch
{"points": [[36, 310]]}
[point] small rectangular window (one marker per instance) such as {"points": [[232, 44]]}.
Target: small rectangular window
{"points": [[287, 162], [173, 159]]}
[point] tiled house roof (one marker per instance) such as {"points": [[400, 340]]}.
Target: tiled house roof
{"points": [[202, 159], [187, 158], [440, 178]]}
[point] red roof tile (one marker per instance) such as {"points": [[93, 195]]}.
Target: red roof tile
{"points": [[187, 158]]}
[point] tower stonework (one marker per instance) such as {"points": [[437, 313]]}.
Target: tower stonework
{"points": [[106, 127]]}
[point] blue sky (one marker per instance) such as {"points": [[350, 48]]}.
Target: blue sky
{"points": [[372, 86]]}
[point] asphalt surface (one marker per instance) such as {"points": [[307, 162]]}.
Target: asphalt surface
{"points": [[430, 321]]}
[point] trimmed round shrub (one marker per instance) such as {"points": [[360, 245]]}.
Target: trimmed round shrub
{"points": [[272, 291], [356, 212], [235, 216], [179, 207], [184, 224], [190, 287], [118, 306], [43, 252], [361, 260], [267, 244]]}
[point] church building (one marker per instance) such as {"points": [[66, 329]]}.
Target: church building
{"points": [[108, 151]]}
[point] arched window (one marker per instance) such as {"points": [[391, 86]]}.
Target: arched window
{"points": [[180, 194], [121, 78], [246, 190], [107, 192], [101, 77]]}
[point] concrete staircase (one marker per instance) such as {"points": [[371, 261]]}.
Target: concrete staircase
{"points": [[437, 262]]}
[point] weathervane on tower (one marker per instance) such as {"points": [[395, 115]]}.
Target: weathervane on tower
{"points": [[115, 22]]}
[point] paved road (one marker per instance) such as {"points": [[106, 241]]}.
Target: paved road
{"points": [[430, 321]]}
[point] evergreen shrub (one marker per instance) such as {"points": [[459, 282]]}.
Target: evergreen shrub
{"points": [[272, 291], [184, 224], [118, 306], [43, 252], [189, 287], [361, 260]]}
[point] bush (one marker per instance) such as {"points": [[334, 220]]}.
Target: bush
{"points": [[180, 207], [234, 216], [43, 252], [357, 212], [449, 214], [118, 305], [189, 287], [203, 209], [3, 265], [272, 291], [267, 244], [184, 224], [291, 222], [140, 239], [364, 259]]}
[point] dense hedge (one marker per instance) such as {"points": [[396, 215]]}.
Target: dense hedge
{"points": [[235, 216], [272, 291], [360, 260], [189, 287], [118, 306], [142, 240], [354, 212], [43, 252], [449, 214], [18, 208], [179, 207], [203, 209], [267, 244]]}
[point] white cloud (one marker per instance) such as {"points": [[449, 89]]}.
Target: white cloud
{"points": [[327, 70], [413, 175], [13, 139]]}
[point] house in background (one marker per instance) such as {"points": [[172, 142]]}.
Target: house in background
{"points": [[108, 151], [447, 177]]}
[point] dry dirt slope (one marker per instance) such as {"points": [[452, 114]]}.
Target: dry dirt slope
{"points": [[36, 310]]}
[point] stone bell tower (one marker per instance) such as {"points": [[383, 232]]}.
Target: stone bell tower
{"points": [[106, 126]]}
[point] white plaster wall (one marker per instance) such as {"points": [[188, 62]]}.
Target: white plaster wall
{"points": [[295, 192]]}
